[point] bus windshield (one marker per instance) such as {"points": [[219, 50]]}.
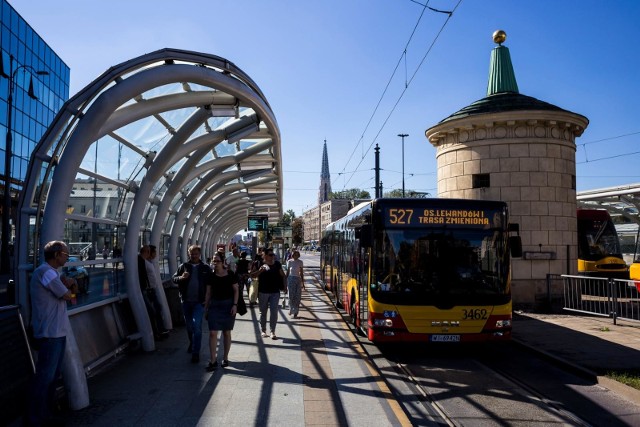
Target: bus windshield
{"points": [[597, 239], [430, 265]]}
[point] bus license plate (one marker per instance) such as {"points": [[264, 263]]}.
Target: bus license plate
{"points": [[445, 338]]}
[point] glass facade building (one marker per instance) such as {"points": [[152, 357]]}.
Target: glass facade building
{"points": [[24, 52]]}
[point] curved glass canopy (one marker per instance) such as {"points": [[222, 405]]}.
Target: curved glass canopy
{"points": [[172, 148]]}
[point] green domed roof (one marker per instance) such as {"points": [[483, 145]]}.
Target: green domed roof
{"points": [[500, 102]]}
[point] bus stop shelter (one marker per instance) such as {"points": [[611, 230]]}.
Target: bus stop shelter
{"points": [[172, 148]]}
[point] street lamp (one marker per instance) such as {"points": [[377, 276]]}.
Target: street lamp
{"points": [[6, 205], [403, 135]]}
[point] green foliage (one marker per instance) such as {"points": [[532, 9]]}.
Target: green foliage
{"points": [[288, 217], [627, 378], [350, 194], [409, 194], [297, 231]]}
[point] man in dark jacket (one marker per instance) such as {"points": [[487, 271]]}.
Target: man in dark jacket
{"points": [[192, 278]]}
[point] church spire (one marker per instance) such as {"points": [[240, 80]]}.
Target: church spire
{"points": [[325, 177], [501, 75]]}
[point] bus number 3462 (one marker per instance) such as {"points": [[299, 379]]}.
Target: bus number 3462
{"points": [[475, 314]]}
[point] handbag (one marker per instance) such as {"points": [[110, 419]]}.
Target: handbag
{"points": [[242, 307]]}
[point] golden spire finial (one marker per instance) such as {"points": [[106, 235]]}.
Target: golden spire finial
{"points": [[499, 37]]}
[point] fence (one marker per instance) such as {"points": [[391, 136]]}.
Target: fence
{"points": [[600, 296]]}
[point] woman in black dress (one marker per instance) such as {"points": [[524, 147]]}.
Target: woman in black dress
{"points": [[221, 306]]}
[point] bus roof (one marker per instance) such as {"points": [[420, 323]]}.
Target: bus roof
{"points": [[599, 214]]}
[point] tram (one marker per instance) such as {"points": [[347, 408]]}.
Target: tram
{"points": [[438, 270], [599, 252]]}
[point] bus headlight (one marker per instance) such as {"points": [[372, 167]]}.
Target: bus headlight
{"points": [[385, 323], [506, 323]]}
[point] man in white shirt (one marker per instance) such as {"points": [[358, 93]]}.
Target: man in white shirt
{"points": [[232, 260], [50, 322]]}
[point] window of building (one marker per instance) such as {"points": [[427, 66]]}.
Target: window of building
{"points": [[481, 180]]}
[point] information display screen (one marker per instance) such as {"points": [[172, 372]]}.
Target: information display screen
{"points": [[411, 217], [258, 222]]}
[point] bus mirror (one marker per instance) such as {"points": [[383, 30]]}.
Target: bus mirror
{"points": [[515, 244], [365, 236]]}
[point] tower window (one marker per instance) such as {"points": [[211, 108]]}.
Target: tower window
{"points": [[481, 180]]}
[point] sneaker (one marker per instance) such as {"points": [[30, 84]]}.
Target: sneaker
{"points": [[212, 366], [225, 363], [195, 358], [273, 336], [295, 316], [264, 334]]}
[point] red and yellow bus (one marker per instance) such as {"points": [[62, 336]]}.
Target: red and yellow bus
{"points": [[423, 269], [599, 251]]}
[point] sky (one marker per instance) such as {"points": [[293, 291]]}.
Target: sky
{"points": [[357, 73]]}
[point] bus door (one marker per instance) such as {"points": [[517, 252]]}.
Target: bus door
{"points": [[364, 261]]}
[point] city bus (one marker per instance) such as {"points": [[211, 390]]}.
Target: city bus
{"points": [[437, 270], [599, 252]]}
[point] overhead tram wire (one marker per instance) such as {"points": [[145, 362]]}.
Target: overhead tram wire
{"points": [[608, 139], [586, 155], [403, 55], [407, 84]]}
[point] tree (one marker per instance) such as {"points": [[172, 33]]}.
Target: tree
{"points": [[350, 194], [288, 217], [409, 194], [297, 231]]}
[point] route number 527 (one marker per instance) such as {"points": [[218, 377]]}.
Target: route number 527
{"points": [[400, 216]]}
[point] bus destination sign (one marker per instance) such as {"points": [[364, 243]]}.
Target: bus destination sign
{"points": [[258, 222], [399, 217]]}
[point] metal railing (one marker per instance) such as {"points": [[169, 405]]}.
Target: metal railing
{"points": [[615, 298]]}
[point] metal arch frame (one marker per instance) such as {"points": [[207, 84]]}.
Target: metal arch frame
{"points": [[213, 203], [217, 232], [215, 168], [95, 111], [208, 228]]}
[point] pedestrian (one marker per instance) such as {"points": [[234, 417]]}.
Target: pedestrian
{"points": [[117, 253], [232, 260], [295, 282], [156, 283], [255, 284], [50, 322], [92, 253], [242, 270], [105, 252], [271, 278], [147, 278], [221, 306], [192, 278]]}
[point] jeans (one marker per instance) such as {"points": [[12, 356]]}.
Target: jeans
{"points": [[270, 301], [295, 293], [193, 312], [42, 393]]}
